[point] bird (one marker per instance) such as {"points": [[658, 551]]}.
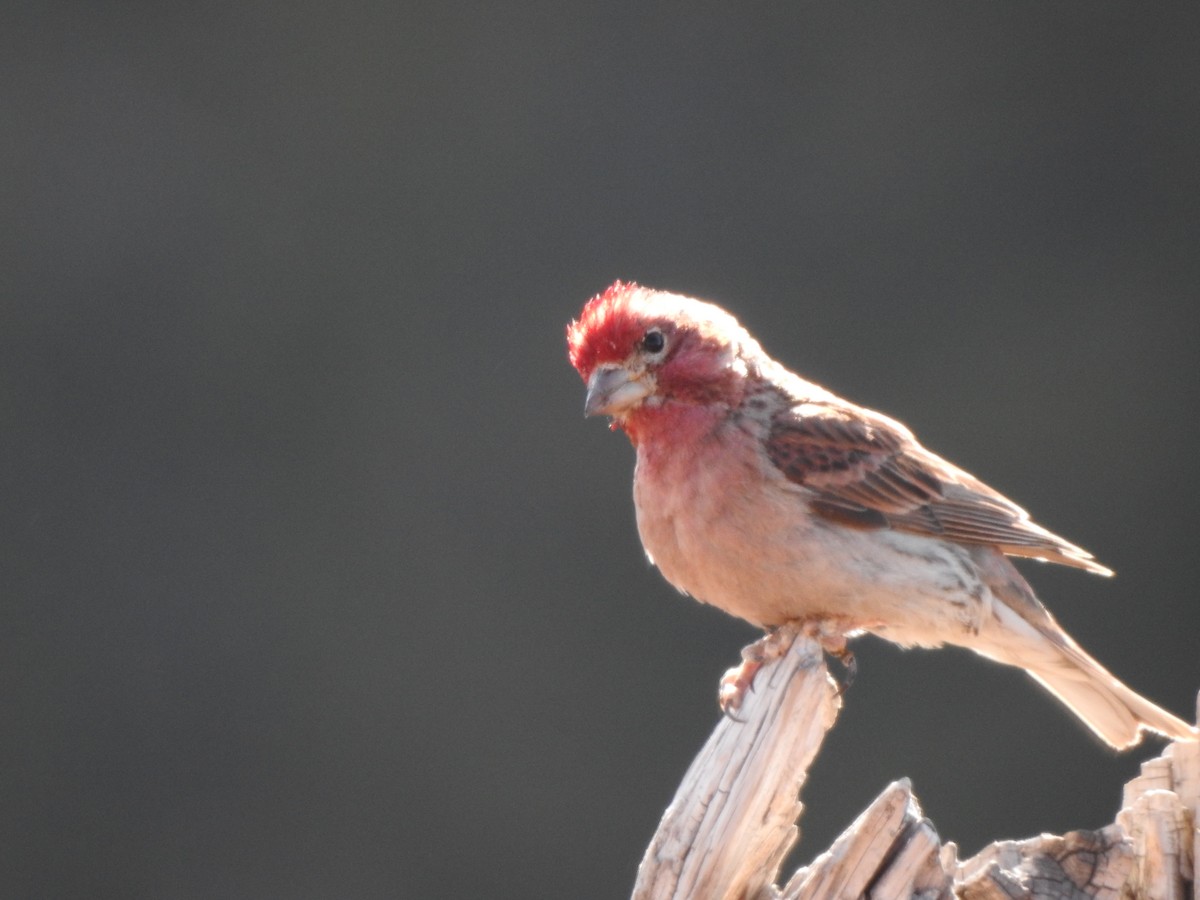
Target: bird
{"points": [[781, 503]]}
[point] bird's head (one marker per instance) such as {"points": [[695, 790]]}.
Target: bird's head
{"points": [[639, 350]]}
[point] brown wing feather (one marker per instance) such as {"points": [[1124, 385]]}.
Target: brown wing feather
{"points": [[867, 471]]}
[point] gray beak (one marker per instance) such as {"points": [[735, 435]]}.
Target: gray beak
{"points": [[613, 390]]}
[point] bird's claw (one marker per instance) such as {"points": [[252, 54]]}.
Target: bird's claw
{"points": [[834, 645], [739, 680], [849, 670], [735, 684]]}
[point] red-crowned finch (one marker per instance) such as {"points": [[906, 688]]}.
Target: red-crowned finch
{"points": [[779, 502]]}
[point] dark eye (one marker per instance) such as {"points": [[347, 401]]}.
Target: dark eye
{"points": [[653, 341]]}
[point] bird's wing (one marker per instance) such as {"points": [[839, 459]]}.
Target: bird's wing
{"points": [[867, 471]]}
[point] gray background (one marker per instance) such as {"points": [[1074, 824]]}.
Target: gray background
{"points": [[316, 583]]}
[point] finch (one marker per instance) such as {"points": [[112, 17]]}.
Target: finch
{"points": [[781, 503]]}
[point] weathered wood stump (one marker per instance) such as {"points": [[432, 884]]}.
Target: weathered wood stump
{"points": [[734, 819]]}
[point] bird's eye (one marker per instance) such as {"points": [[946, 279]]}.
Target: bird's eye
{"points": [[654, 341]]}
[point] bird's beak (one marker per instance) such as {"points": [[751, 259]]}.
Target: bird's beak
{"points": [[613, 390]]}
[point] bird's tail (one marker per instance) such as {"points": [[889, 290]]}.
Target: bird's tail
{"points": [[1114, 711], [1029, 637]]}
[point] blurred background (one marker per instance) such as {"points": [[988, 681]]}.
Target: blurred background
{"points": [[316, 583]]}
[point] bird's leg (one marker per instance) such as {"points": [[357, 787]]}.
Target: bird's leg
{"points": [[834, 644], [740, 679]]}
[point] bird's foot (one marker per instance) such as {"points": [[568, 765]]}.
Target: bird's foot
{"points": [[834, 644], [739, 680]]}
